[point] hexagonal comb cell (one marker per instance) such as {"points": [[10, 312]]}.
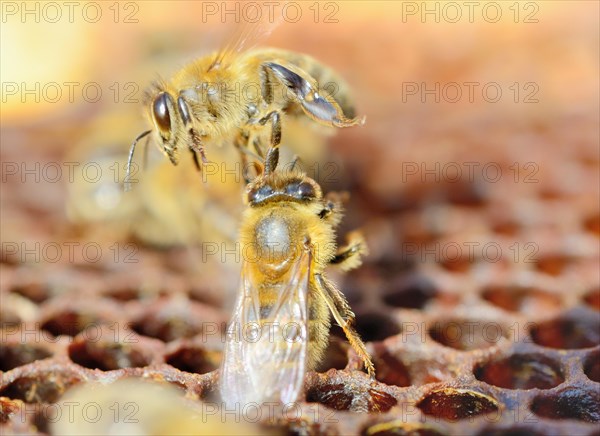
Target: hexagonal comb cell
{"points": [[194, 359], [380, 401], [34, 291], [15, 355], [389, 369], [552, 264], [41, 387], [454, 404], [376, 326], [411, 293], [569, 403], [516, 299], [335, 396], [107, 354], [466, 335], [592, 224], [70, 322], [336, 355], [592, 299], [591, 366], [521, 371], [123, 294], [170, 319], [341, 396], [567, 332]]}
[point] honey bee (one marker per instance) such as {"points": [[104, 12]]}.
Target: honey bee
{"points": [[280, 325], [232, 95]]}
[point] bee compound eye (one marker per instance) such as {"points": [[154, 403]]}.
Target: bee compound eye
{"points": [[160, 111], [183, 110], [258, 194], [306, 190], [301, 190]]}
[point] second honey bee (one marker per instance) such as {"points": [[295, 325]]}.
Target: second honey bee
{"points": [[234, 97], [280, 326]]}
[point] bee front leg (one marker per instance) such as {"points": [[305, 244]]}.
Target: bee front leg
{"points": [[272, 157], [195, 158], [344, 316], [241, 144], [349, 256], [333, 207], [197, 147], [267, 89], [328, 211]]}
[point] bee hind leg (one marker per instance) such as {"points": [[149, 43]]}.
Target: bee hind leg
{"points": [[344, 316], [316, 103]]}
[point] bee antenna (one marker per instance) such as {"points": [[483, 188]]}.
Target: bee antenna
{"points": [[271, 160], [127, 183], [295, 162]]}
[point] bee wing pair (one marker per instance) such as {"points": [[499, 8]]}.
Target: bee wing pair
{"points": [[266, 350], [244, 37]]}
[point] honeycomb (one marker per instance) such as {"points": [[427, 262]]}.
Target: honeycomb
{"points": [[480, 301]]}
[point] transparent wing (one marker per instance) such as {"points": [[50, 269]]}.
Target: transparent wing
{"points": [[266, 347], [246, 35]]}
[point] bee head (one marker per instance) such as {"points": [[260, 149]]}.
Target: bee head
{"points": [[277, 188]]}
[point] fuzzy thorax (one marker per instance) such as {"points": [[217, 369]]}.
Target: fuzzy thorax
{"points": [[275, 235]]}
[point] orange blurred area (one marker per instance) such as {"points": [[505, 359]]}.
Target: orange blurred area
{"points": [[58, 56]]}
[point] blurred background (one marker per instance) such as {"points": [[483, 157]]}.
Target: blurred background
{"points": [[475, 180]]}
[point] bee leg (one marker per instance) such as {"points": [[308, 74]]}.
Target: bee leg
{"points": [[195, 157], [333, 206], [316, 104], [196, 145], [349, 256], [275, 119], [295, 162], [258, 147], [272, 157], [271, 160], [327, 210], [172, 157], [240, 143], [344, 316]]}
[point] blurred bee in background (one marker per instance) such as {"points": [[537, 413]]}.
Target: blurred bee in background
{"points": [[231, 96], [154, 215], [280, 325]]}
